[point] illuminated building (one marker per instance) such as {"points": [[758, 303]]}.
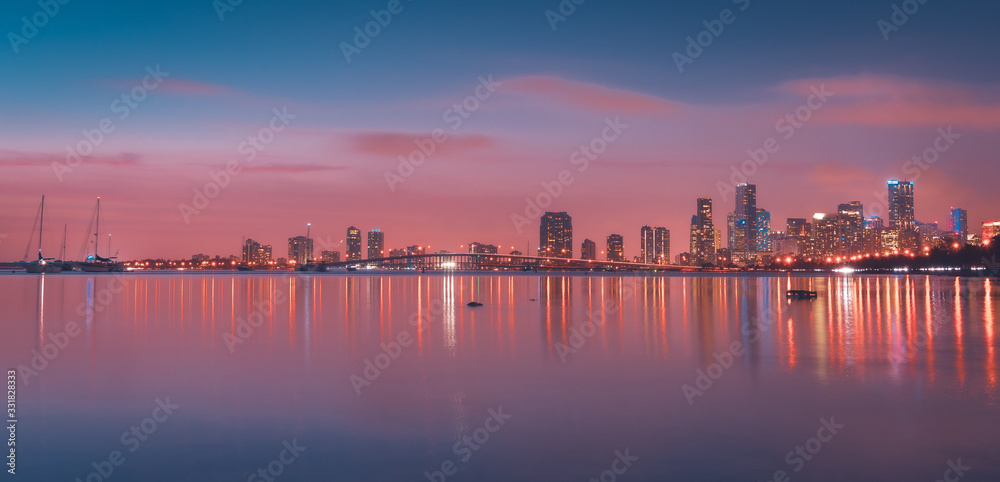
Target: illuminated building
{"points": [[661, 245], [889, 240], [958, 223], [556, 236], [851, 223], [646, 245], [928, 233], [763, 226], [376, 244], [991, 229], [826, 236], [255, 253], [300, 249], [353, 244], [746, 219], [616, 248], [479, 248], [901, 205], [872, 238], [704, 237], [737, 236], [588, 250], [330, 256]]}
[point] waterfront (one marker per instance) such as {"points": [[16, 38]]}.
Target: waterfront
{"points": [[584, 367]]}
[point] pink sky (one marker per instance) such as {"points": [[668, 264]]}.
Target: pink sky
{"points": [[317, 171]]}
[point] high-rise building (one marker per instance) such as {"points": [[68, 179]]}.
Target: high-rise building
{"points": [[256, 254], [901, 205], [763, 225], [991, 229], [300, 249], [800, 230], [929, 233], [826, 235], [376, 244], [588, 250], [872, 242], [556, 236], [958, 223], [746, 219], [661, 245], [330, 256], [851, 223], [704, 242], [737, 236], [616, 248], [646, 245], [353, 244]]}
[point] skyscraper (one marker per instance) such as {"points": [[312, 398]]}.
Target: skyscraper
{"points": [[851, 221], [746, 217], [556, 236], [958, 223], [703, 234], [588, 250], [647, 249], [826, 236], [737, 236], [661, 245], [376, 244], [616, 248], [353, 244], [901, 205], [763, 224], [300, 249], [800, 231]]}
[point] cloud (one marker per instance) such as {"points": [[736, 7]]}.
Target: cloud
{"points": [[894, 102], [394, 144], [589, 96], [11, 158], [293, 168]]}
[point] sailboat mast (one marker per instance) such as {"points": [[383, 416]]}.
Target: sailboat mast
{"points": [[62, 252], [97, 231], [41, 226]]}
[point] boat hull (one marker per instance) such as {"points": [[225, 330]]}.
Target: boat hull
{"points": [[39, 268]]}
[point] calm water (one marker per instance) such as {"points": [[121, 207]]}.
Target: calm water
{"points": [[578, 369]]}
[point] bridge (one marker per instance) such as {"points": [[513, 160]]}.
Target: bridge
{"points": [[500, 262]]}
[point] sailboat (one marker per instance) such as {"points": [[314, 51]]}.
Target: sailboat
{"points": [[94, 262], [42, 264]]}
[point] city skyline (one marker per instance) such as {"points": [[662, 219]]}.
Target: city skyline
{"points": [[322, 141], [844, 232]]}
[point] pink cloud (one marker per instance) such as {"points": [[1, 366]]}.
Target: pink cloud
{"points": [[393, 144], [589, 96], [11, 158], [894, 102]]}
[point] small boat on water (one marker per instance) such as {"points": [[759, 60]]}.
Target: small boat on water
{"points": [[42, 264], [94, 263], [801, 294]]}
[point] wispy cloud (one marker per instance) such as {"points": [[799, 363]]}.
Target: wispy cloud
{"points": [[589, 96], [896, 102]]}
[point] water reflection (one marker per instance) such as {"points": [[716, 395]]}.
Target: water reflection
{"points": [[890, 345]]}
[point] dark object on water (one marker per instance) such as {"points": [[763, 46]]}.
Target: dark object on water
{"points": [[474, 303], [802, 294], [532, 299]]}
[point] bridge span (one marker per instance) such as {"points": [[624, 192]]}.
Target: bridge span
{"points": [[500, 262]]}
